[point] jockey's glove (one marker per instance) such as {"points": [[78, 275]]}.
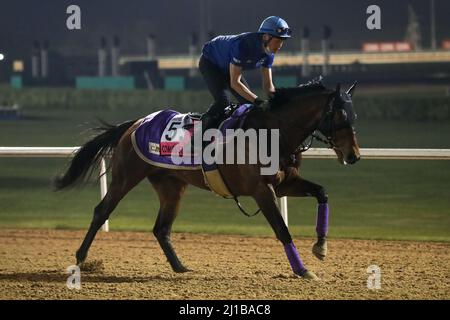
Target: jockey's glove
{"points": [[258, 101], [264, 104]]}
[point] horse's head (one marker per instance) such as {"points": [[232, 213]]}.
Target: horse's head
{"points": [[313, 107], [337, 125]]}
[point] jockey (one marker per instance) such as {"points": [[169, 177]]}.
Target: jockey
{"points": [[225, 57]]}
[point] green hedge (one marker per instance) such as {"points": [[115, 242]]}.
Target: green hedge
{"points": [[424, 107], [68, 98], [418, 108]]}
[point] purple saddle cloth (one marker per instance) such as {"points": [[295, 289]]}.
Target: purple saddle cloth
{"points": [[160, 131]]}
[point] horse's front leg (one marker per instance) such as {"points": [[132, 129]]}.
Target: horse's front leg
{"points": [[266, 199], [295, 186]]}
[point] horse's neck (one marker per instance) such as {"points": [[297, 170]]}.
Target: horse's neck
{"points": [[299, 119]]}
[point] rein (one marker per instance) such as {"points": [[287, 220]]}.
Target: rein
{"points": [[302, 148], [328, 140]]}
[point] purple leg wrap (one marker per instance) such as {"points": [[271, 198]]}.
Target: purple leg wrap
{"points": [[294, 258], [322, 220]]}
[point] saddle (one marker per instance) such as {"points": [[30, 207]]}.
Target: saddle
{"points": [[191, 117]]}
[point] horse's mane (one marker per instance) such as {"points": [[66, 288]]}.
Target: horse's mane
{"points": [[282, 96]]}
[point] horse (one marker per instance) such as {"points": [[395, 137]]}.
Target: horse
{"points": [[297, 112]]}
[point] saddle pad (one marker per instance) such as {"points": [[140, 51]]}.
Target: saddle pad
{"points": [[176, 134], [161, 131], [154, 140]]}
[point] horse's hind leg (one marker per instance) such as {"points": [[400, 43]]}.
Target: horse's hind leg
{"points": [[101, 214], [122, 182], [170, 191]]}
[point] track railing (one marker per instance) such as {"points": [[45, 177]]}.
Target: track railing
{"points": [[317, 153]]}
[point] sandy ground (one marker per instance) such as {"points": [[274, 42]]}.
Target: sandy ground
{"points": [[33, 266]]}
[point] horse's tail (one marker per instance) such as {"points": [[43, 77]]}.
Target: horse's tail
{"points": [[88, 156]]}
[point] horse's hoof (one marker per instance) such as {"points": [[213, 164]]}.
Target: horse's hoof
{"points": [[181, 269], [309, 275], [320, 249]]}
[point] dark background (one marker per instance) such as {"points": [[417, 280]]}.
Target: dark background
{"points": [[172, 21]]}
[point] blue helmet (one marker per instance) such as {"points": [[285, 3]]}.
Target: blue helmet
{"points": [[275, 26]]}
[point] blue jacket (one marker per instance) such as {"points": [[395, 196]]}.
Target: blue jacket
{"points": [[244, 50]]}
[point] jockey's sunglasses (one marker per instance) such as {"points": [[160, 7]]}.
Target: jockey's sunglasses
{"points": [[283, 31]]}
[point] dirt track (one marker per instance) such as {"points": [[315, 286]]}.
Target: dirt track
{"points": [[33, 264]]}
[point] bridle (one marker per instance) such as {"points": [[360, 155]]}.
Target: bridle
{"points": [[327, 126]]}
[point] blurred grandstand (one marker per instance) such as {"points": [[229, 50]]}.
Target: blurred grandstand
{"points": [[110, 65]]}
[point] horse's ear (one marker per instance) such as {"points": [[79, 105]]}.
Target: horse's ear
{"points": [[351, 89]]}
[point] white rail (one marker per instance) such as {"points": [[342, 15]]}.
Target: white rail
{"points": [[317, 153], [55, 152]]}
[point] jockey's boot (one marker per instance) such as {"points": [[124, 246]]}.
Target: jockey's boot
{"points": [[209, 120]]}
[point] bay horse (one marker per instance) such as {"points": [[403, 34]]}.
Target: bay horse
{"points": [[297, 113]]}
